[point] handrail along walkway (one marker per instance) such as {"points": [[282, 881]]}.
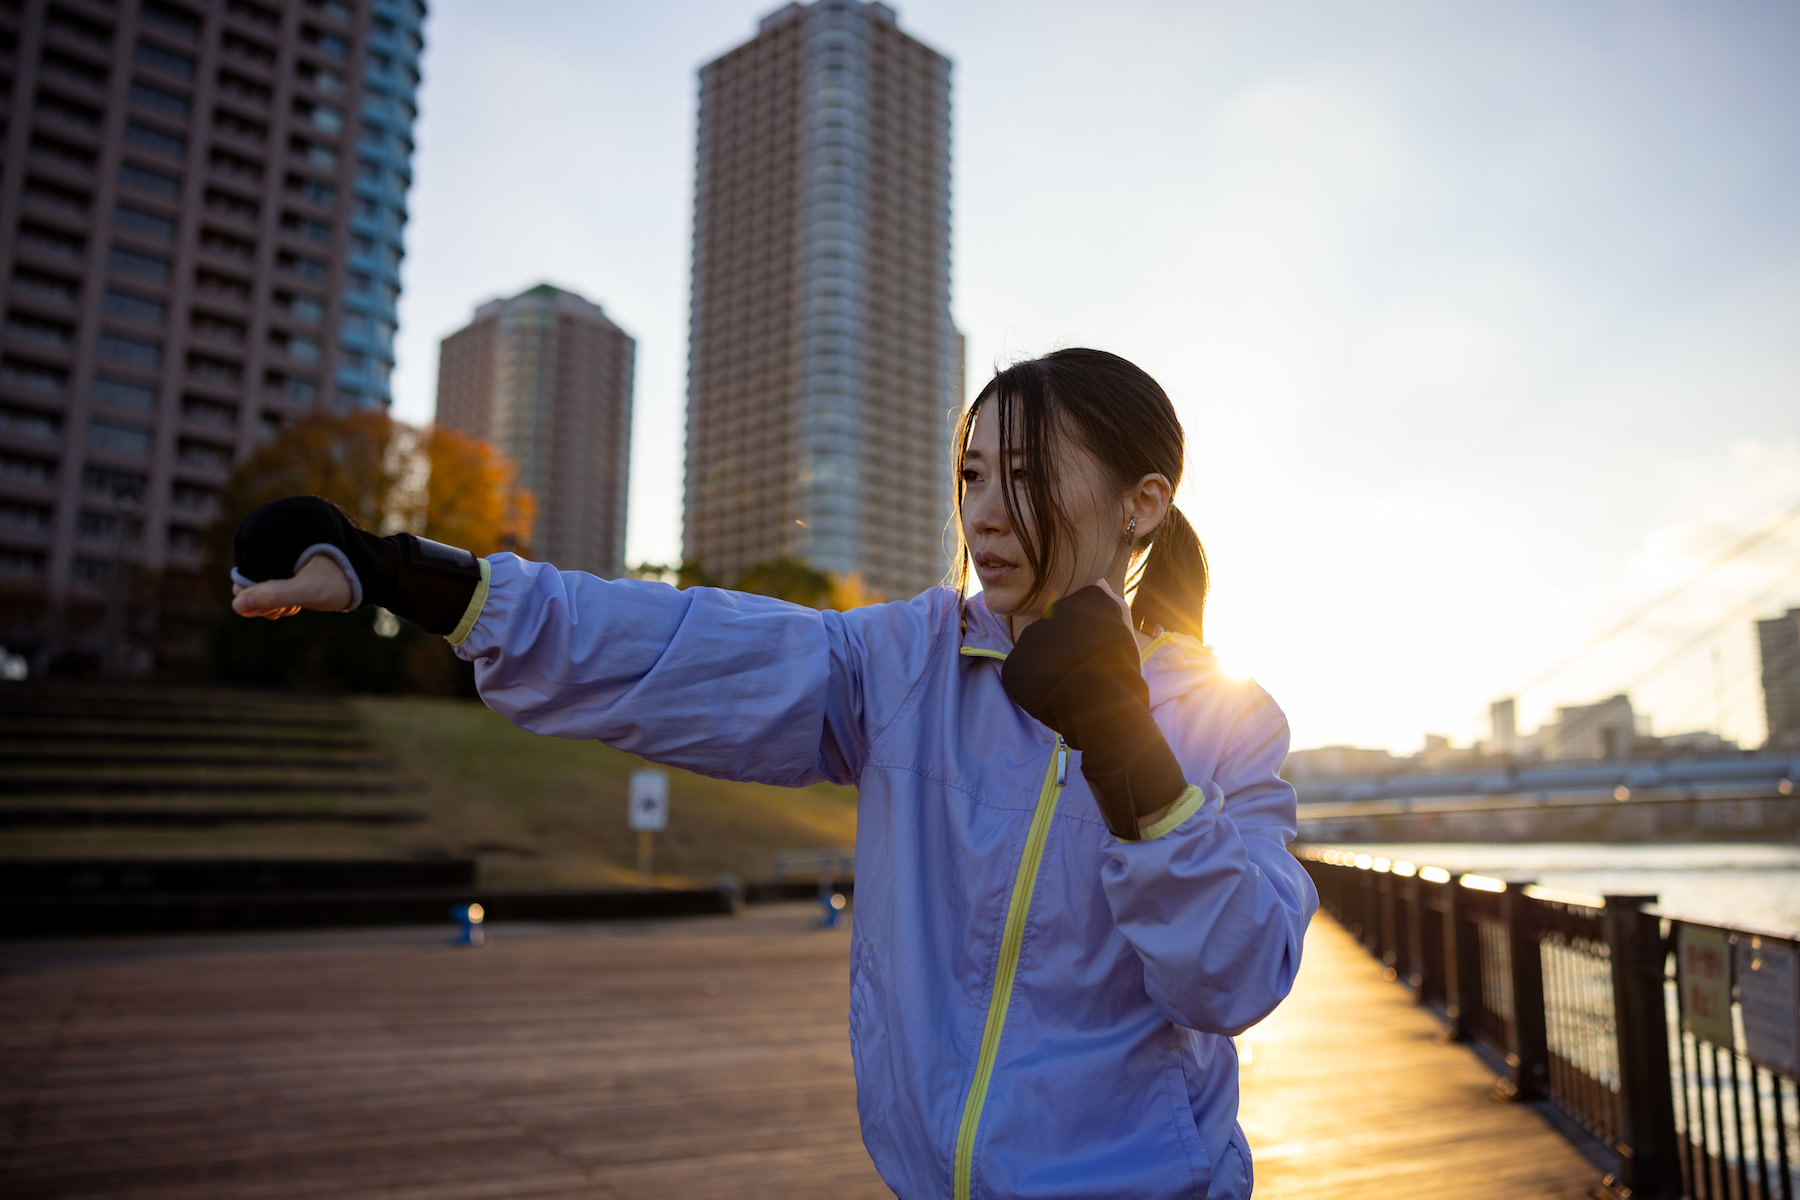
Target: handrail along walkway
{"points": [[1583, 999]]}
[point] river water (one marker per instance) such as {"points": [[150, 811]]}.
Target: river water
{"points": [[1754, 886]]}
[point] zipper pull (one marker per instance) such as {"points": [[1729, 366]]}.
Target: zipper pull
{"points": [[1062, 763]]}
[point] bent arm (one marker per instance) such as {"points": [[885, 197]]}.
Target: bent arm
{"points": [[1216, 907], [722, 683]]}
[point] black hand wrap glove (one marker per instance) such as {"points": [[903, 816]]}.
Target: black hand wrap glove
{"points": [[428, 583], [1078, 671]]}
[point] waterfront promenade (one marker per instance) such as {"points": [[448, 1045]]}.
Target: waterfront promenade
{"points": [[705, 1058]]}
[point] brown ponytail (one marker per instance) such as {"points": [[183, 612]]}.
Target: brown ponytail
{"points": [[1171, 580]]}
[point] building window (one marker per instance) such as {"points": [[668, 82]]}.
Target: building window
{"points": [[214, 370], [131, 306], [234, 166], [300, 349], [52, 335], [21, 564], [144, 223], [169, 19], [33, 377], [301, 266], [125, 395], [154, 140], [208, 412], [117, 437], [106, 481], [162, 101], [120, 350], [28, 423], [139, 265], [328, 44], [203, 455], [321, 80], [53, 242], [45, 286], [24, 518]]}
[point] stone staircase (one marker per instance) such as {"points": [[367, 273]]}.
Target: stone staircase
{"points": [[81, 754]]}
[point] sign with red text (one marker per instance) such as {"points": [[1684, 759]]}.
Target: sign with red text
{"points": [[1769, 991], [1706, 984]]}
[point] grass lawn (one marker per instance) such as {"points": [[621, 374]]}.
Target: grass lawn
{"points": [[533, 811], [539, 810]]}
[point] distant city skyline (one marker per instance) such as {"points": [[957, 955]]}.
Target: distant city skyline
{"points": [[1480, 319]]}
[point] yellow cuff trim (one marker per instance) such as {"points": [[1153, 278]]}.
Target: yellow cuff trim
{"points": [[978, 652], [477, 602], [1191, 802]]}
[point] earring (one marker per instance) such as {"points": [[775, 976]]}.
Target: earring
{"points": [[1131, 531]]}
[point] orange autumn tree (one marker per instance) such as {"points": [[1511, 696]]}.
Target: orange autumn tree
{"points": [[472, 497], [391, 477]]}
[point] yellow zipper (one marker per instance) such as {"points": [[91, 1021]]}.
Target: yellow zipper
{"points": [[1011, 942]]}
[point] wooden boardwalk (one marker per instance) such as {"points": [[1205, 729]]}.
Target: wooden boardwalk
{"points": [[1349, 1092], [702, 1058]]}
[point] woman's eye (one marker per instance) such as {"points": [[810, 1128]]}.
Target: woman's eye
{"points": [[1018, 475], [969, 475]]}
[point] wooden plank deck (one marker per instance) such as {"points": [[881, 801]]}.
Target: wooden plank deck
{"points": [[703, 1058], [1349, 1092]]}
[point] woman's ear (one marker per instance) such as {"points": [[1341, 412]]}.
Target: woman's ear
{"points": [[1148, 501]]}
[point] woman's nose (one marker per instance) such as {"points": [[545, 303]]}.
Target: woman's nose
{"points": [[987, 512]]}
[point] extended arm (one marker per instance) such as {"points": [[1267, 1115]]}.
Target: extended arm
{"points": [[731, 685]]}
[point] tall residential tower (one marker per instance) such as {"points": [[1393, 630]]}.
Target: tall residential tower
{"points": [[547, 378], [201, 215], [823, 367]]}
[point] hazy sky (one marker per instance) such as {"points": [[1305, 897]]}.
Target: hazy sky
{"points": [[1483, 318]]}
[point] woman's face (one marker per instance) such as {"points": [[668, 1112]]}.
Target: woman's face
{"points": [[1097, 510]]}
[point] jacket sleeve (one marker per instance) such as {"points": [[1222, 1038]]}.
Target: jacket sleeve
{"points": [[1216, 907], [722, 683]]}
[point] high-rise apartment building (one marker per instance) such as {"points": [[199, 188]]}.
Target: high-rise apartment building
{"points": [[547, 378], [823, 366], [201, 215], [1778, 640]]}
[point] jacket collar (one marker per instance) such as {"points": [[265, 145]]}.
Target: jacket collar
{"points": [[1174, 663]]}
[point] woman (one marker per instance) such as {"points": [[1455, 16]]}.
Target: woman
{"points": [[1047, 963]]}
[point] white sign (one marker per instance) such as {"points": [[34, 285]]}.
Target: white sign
{"points": [[649, 805], [1705, 960], [1769, 991]]}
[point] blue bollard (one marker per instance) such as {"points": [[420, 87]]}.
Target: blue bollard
{"points": [[832, 901], [469, 916]]}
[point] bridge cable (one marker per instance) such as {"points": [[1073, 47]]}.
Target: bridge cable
{"points": [[1735, 552]]}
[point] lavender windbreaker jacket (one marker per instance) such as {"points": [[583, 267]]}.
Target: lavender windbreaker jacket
{"points": [[1036, 1008]]}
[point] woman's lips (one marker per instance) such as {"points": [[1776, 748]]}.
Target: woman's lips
{"points": [[992, 568]]}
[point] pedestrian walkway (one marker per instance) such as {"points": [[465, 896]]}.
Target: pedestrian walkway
{"points": [[1350, 1092], [704, 1058]]}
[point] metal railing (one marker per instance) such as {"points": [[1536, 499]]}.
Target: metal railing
{"points": [[1631, 1024]]}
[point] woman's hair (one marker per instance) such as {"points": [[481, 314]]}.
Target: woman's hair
{"points": [[1124, 419]]}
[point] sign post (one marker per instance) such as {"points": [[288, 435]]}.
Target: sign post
{"points": [[648, 813]]}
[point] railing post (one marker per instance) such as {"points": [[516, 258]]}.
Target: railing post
{"points": [[1462, 966], [1529, 1058], [1412, 937], [1649, 1167]]}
